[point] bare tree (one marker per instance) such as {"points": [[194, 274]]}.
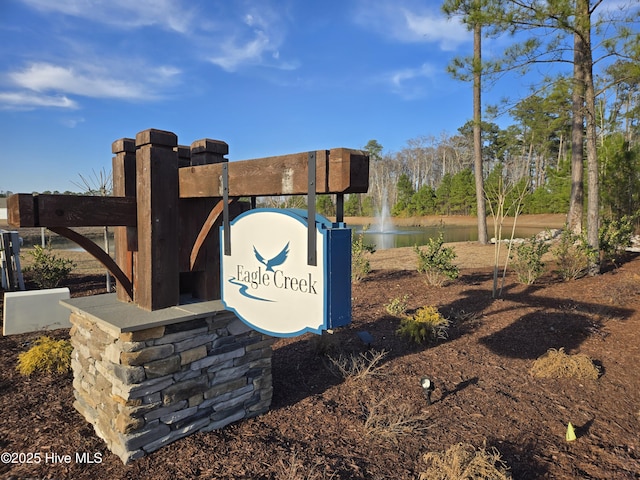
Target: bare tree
{"points": [[99, 183]]}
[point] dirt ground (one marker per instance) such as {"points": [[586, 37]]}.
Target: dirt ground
{"points": [[322, 426]]}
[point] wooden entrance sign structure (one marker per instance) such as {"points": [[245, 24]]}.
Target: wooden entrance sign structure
{"points": [[167, 203]]}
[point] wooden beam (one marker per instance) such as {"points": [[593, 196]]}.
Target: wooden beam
{"points": [[99, 254], [339, 170], [33, 210], [345, 171], [205, 231], [348, 171]]}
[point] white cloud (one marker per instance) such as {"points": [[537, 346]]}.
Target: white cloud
{"points": [[71, 122], [45, 84], [29, 101], [172, 15], [228, 34], [401, 76], [256, 40], [235, 52], [405, 22], [437, 29], [43, 77], [410, 83]]}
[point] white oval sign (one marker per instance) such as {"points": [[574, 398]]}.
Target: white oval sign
{"points": [[267, 280]]}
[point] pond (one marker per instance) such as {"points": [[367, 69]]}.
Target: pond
{"points": [[62, 243], [409, 236], [391, 237]]}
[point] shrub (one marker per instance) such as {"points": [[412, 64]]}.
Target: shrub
{"points": [[360, 265], [557, 364], [358, 366], [389, 418], [47, 270], [615, 236], [435, 261], [527, 260], [464, 461], [397, 306], [425, 326], [47, 355], [295, 469], [574, 255]]}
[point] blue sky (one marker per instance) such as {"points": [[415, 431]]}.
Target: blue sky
{"points": [[269, 77]]}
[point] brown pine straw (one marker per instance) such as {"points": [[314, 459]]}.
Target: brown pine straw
{"points": [[464, 461], [557, 364]]}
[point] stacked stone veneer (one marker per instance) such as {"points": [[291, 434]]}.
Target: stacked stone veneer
{"points": [[144, 389]]}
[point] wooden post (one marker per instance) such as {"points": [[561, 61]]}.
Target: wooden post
{"points": [[184, 155], [124, 185], [203, 278], [156, 271]]}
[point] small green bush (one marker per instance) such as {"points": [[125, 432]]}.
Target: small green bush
{"points": [[425, 326], [615, 236], [574, 255], [47, 355], [397, 306], [435, 261], [360, 265], [526, 260], [48, 271]]}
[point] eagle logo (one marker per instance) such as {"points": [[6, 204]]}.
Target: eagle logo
{"points": [[279, 259]]}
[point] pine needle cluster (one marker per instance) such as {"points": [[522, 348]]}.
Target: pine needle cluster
{"points": [[557, 364], [465, 461]]}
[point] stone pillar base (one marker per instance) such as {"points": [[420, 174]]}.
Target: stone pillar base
{"points": [[145, 379]]}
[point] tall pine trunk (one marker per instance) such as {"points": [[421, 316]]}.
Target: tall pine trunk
{"points": [[576, 201], [477, 133], [593, 199]]}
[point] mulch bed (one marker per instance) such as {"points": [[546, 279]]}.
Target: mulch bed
{"points": [[322, 426]]}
